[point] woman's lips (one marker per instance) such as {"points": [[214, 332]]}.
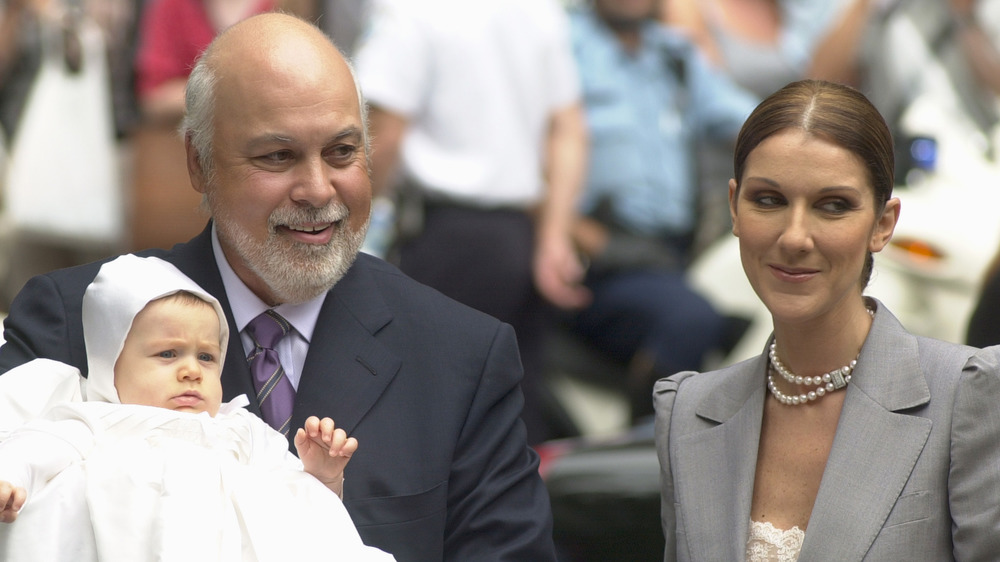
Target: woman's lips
{"points": [[793, 274]]}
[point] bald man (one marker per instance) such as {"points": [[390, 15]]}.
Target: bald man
{"points": [[276, 141]]}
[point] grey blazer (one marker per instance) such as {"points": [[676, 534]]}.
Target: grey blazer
{"points": [[914, 472]]}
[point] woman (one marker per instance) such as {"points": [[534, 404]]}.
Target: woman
{"points": [[894, 453]]}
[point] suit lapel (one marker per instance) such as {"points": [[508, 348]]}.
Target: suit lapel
{"points": [[875, 448], [347, 369], [717, 464]]}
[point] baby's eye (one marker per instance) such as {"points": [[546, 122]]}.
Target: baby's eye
{"points": [[167, 354], [206, 357]]}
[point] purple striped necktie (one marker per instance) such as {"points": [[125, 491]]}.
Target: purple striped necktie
{"points": [[275, 394]]}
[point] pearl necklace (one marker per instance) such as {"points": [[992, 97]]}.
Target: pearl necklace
{"points": [[828, 382]]}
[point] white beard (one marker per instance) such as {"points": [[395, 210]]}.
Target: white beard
{"points": [[294, 272]]}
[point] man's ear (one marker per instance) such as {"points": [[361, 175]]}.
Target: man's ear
{"points": [[195, 170]]}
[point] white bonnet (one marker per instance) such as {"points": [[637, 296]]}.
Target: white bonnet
{"points": [[122, 288]]}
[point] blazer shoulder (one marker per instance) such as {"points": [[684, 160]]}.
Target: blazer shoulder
{"points": [[983, 364], [932, 349], [986, 358], [944, 360], [701, 382]]}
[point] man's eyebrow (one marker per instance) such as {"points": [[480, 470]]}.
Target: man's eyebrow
{"points": [[269, 138], [350, 132]]}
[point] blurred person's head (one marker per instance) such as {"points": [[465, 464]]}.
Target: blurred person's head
{"points": [[626, 15], [811, 198], [276, 138]]}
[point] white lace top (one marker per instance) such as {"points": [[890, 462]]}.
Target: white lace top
{"points": [[768, 544]]}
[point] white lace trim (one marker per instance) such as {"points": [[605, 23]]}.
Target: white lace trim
{"points": [[769, 544]]}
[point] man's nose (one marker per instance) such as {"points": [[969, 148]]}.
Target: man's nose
{"points": [[314, 183]]}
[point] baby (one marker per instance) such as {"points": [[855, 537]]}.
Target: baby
{"points": [[143, 461]]}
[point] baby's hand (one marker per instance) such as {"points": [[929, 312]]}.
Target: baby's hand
{"points": [[325, 451], [11, 500]]}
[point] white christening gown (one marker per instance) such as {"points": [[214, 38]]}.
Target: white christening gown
{"points": [[129, 483]]}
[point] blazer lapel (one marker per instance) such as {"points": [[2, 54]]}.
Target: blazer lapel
{"points": [[875, 448], [347, 369], [717, 464]]}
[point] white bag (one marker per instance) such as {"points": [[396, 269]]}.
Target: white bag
{"points": [[62, 177]]}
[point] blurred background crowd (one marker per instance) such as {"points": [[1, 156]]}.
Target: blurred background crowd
{"points": [[560, 164]]}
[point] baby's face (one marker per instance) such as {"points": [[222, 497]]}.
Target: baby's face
{"points": [[171, 358]]}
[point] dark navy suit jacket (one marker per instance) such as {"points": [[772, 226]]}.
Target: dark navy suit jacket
{"points": [[429, 387]]}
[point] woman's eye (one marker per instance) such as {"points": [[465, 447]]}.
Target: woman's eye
{"points": [[835, 206], [768, 200]]}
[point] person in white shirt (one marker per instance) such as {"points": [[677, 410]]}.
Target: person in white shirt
{"points": [[477, 104]]}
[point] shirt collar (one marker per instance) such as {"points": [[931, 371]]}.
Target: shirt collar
{"points": [[246, 305]]}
